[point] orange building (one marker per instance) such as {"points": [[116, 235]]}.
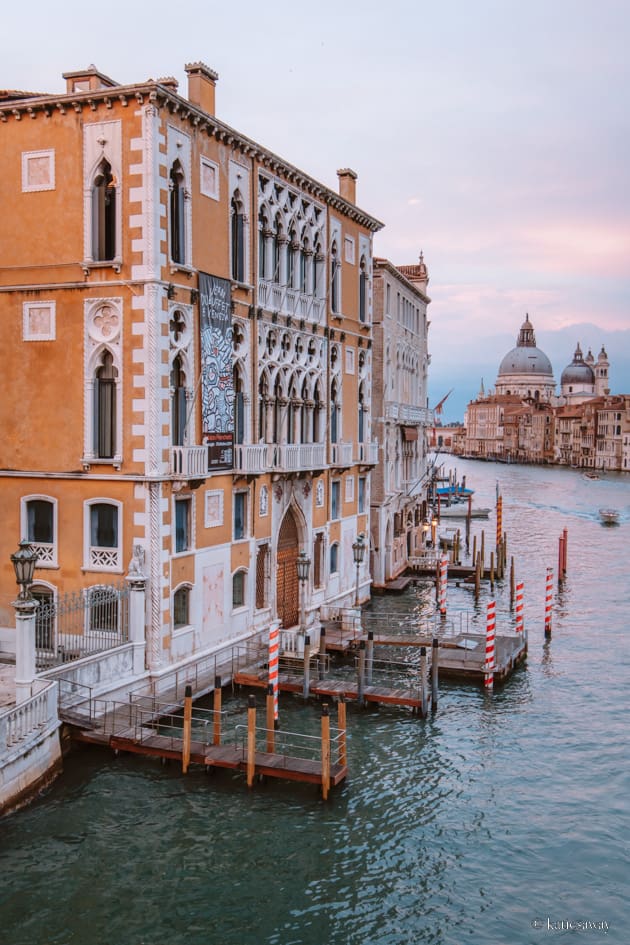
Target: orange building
{"points": [[186, 329]]}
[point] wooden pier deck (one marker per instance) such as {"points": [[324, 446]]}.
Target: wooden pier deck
{"points": [[333, 688], [232, 757]]}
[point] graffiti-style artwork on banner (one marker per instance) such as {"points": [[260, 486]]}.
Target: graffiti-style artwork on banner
{"points": [[217, 390]]}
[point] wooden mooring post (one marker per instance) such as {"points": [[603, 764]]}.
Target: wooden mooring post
{"points": [[435, 648], [341, 725], [216, 705], [369, 657], [325, 751], [492, 570], [307, 667], [512, 583], [251, 740], [361, 673], [423, 682], [187, 729], [271, 739]]}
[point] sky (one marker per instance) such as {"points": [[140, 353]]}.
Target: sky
{"points": [[492, 135]]}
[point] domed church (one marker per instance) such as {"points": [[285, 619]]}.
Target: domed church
{"points": [[585, 378], [526, 371]]}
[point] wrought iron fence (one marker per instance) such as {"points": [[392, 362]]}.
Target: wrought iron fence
{"points": [[79, 624]]}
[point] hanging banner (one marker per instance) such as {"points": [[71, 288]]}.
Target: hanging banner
{"points": [[217, 389]]}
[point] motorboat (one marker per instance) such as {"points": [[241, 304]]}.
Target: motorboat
{"points": [[591, 475], [609, 516], [460, 510]]}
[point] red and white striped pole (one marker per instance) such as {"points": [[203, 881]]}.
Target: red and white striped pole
{"points": [[499, 521], [443, 579], [548, 601], [490, 633], [519, 607], [274, 652]]}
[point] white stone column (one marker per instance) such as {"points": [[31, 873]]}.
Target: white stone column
{"points": [[137, 619], [25, 611]]}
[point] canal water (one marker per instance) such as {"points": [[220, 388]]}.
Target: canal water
{"points": [[500, 820]]}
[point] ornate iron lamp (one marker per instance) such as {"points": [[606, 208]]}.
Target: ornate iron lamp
{"points": [[358, 553], [24, 561]]}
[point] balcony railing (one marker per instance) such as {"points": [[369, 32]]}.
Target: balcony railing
{"points": [[367, 453], [279, 457], [189, 462], [288, 301], [341, 454]]}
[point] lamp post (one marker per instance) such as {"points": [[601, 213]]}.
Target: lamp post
{"points": [[303, 565], [358, 553], [24, 561]]}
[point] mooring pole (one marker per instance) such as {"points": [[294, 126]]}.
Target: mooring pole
{"points": [[187, 729], [251, 740], [434, 674], [423, 682], [307, 667], [271, 727], [216, 705], [341, 724], [369, 657], [512, 584], [361, 672], [325, 751], [565, 535]]}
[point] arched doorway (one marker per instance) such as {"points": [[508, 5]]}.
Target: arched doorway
{"points": [[287, 589]]}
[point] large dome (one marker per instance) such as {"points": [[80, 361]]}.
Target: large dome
{"points": [[526, 371], [526, 361], [526, 358]]}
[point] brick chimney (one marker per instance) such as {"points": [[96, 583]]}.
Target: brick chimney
{"points": [[202, 81], [347, 184]]}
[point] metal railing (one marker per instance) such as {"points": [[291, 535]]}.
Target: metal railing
{"points": [[291, 745], [81, 624]]}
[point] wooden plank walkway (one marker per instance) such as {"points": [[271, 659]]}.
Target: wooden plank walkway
{"points": [[269, 764], [334, 688]]}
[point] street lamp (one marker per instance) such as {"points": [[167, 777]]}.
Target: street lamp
{"points": [[303, 564], [358, 553], [24, 561]]}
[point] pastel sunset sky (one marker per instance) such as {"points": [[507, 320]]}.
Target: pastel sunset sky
{"points": [[494, 135]]}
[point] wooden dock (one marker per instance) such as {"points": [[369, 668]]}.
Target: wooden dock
{"points": [[142, 727]]}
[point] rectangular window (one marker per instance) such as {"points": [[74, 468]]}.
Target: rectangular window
{"points": [[182, 525], [361, 493], [240, 515], [262, 568], [104, 536], [238, 589], [334, 499], [318, 560], [350, 489]]}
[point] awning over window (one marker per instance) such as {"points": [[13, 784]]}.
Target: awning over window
{"points": [[410, 433]]}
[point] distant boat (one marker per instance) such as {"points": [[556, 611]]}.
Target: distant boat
{"points": [[591, 475], [609, 516], [460, 510], [454, 492]]}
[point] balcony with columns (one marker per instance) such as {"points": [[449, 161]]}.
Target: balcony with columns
{"points": [[288, 301], [189, 462], [279, 457]]}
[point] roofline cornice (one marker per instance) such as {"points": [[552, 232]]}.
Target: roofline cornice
{"points": [[381, 263], [164, 97]]}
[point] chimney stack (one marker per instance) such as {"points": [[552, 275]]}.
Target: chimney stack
{"points": [[347, 184], [202, 81]]}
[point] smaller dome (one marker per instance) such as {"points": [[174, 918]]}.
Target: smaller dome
{"points": [[578, 372]]}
